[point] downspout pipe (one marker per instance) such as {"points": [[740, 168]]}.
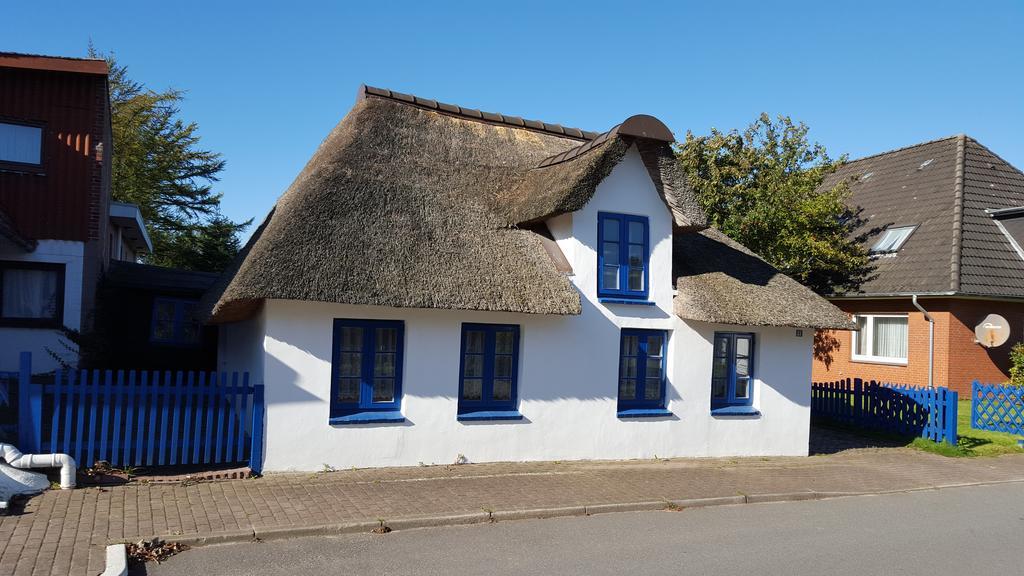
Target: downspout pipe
{"points": [[931, 341], [66, 463]]}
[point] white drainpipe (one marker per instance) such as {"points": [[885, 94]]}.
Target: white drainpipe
{"points": [[66, 463], [931, 340]]}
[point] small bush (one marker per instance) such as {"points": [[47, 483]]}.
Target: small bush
{"points": [[1017, 364]]}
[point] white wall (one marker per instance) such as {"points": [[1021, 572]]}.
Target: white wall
{"points": [[568, 372], [13, 341]]}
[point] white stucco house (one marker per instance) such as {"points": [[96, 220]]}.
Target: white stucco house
{"points": [[441, 282]]}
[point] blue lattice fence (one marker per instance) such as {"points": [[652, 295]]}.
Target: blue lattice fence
{"points": [[997, 408], [906, 410]]}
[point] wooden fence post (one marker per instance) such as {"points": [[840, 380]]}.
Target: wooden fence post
{"points": [[30, 407], [952, 408], [258, 412]]}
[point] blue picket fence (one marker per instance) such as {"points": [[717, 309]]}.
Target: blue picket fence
{"points": [[997, 408], [906, 410], [142, 418]]}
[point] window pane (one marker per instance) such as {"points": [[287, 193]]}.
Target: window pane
{"points": [[474, 366], [742, 387], [627, 389], [503, 342], [190, 328], [610, 277], [653, 389], [384, 365], [860, 337], [743, 346], [502, 390], [383, 389], [630, 345], [611, 229], [636, 256], [654, 368], [629, 367], [720, 368], [742, 367], [503, 367], [610, 251], [636, 279], [351, 364], [636, 232], [29, 293], [654, 344], [20, 143], [721, 346], [387, 339], [163, 319], [718, 388], [351, 338], [348, 390], [471, 388], [890, 337], [474, 341]]}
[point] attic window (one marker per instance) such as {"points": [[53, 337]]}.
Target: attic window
{"points": [[926, 163], [892, 240], [21, 144], [866, 176]]}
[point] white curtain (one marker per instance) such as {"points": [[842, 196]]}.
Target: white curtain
{"points": [[29, 293], [890, 338], [20, 143]]}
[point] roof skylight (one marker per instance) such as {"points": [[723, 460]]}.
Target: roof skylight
{"points": [[925, 163], [892, 240], [866, 176]]}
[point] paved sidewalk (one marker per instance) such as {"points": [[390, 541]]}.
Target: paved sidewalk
{"points": [[63, 532]]}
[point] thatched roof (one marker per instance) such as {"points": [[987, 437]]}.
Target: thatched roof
{"points": [[414, 203], [721, 282]]}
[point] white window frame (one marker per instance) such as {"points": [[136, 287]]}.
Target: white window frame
{"points": [[869, 327], [905, 233]]}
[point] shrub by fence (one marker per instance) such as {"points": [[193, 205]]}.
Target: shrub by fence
{"points": [[906, 410], [142, 418], [997, 408]]}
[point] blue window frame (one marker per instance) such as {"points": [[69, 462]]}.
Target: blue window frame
{"points": [[175, 322], [732, 372], [642, 372], [488, 372], [366, 371], [623, 254]]}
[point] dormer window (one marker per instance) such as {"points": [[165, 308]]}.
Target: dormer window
{"points": [[21, 144], [623, 255], [892, 240]]}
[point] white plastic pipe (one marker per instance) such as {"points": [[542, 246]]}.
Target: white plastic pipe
{"points": [[66, 463], [931, 340]]}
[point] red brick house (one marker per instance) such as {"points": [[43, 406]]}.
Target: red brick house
{"points": [[59, 229], [949, 216]]}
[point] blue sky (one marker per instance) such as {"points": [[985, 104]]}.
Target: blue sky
{"points": [[267, 81]]}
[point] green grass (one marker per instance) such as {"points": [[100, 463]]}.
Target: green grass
{"points": [[971, 442]]}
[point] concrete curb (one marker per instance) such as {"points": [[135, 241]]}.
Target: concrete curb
{"points": [[117, 560], [366, 526]]}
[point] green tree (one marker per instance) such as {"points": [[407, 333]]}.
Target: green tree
{"points": [[761, 188], [1017, 364], [159, 165]]}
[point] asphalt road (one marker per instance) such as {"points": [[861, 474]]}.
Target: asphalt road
{"points": [[956, 531]]}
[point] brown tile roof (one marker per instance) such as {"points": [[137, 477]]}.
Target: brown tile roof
{"points": [[943, 187], [53, 63]]}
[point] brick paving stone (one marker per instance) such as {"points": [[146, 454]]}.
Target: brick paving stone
{"points": [[62, 532]]}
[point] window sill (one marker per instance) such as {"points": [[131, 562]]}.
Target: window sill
{"points": [[638, 302], [735, 411], [644, 413], [368, 418], [490, 415], [878, 360]]}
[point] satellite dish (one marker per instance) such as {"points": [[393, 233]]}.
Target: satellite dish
{"points": [[993, 331]]}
